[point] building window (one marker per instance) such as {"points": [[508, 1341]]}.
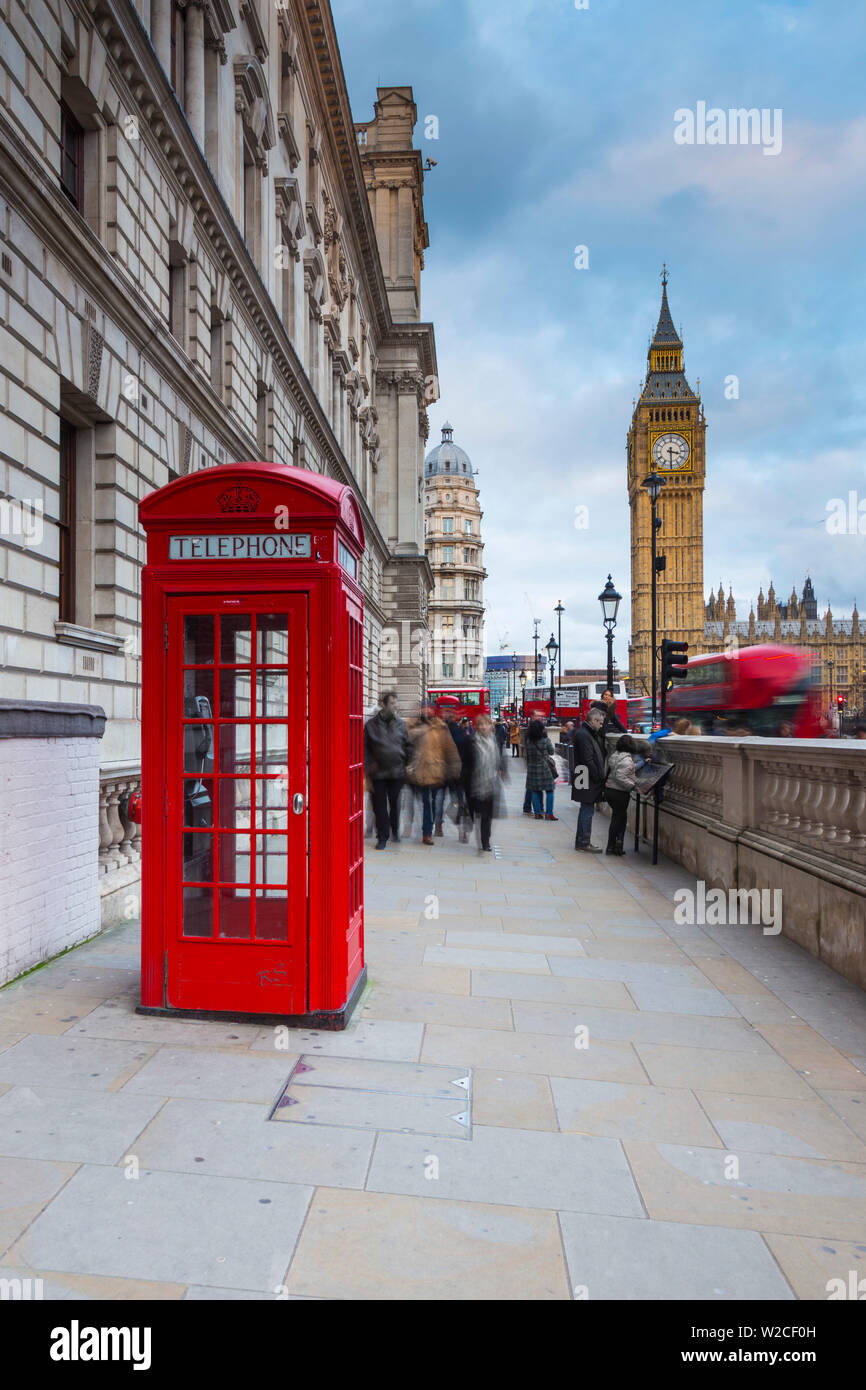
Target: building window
{"points": [[467, 527], [217, 350], [71, 154], [448, 555], [448, 668], [66, 522], [264, 420], [177, 300], [448, 525], [467, 556]]}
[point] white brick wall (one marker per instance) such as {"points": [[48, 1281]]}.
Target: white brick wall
{"points": [[49, 845]]}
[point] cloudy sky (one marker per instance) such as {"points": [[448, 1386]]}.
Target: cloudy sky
{"points": [[556, 130]]}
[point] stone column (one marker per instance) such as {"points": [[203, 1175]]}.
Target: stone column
{"points": [[160, 32], [194, 71]]}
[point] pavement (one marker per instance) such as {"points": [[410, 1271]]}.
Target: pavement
{"points": [[550, 1090]]}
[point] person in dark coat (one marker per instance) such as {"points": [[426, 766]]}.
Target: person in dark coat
{"points": [[607, 704], [482, 772], [539, 777], [386, 753], [588, 783]]}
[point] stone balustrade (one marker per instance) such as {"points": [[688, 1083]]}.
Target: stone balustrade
{"points": [[119, 843], [776, 813]]}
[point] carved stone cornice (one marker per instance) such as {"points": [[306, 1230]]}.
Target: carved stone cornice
{"points": [[290, 213], [253, 102], [250, 16]]}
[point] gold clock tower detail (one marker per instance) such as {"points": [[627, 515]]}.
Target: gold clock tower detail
{"points": [[667, 436]]}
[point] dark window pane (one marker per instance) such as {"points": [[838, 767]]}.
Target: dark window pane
{"points": [[272, 694], [198, 634], [198, 694], [234, 748], [198, 911], [198, 858], [198, 803], [198, 748]]}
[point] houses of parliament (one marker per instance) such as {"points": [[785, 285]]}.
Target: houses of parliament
{"points": [[667, 436]]}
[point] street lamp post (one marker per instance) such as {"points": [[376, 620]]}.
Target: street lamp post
{"points": [[514, 676], [552, 648], [610, 601], [559, 610], [536, 621], [653, 484], [523, 694]]}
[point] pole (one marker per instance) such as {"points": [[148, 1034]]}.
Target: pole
{"points": [[609, 657], [535, 640], [559, 612], [552, 691], [653, 604]]}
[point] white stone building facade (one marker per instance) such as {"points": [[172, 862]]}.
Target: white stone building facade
{"points": [[202, 259], [452, 525]]}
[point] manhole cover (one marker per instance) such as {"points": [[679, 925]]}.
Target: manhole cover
{"points": [[354, 1093]]}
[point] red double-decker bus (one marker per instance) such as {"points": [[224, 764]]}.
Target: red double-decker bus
{"points": [[470, 700], [573, 701], [759, 689]]}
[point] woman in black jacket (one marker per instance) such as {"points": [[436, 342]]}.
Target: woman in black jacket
{"points": [[588, 783]]}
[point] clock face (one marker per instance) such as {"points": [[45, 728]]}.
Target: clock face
{"points": [[671, 451]]}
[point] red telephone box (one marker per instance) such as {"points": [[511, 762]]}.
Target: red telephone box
{"points": [[252, 754]]}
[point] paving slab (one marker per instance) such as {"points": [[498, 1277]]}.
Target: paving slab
{"points": [[795, 1196], [826, 1068], [117, 1018], [708, 1003], [45, 1011], [531, 1052], [629, 972], [60, 1286], [505, 984], [201, 1074], [442, 979], [798, 1128], [712, 1070], [509, 1167], [615, 1111], [623, 1259], [382, 1038], [512, 1100], [517, 941], [851, 1107], [26, 1187], [637, 1025], [179, 1228], [419, 1006], [234, 1139], [366, 1245], [490, 959], [85, 1064], [814, 1267], [73, 1126]]}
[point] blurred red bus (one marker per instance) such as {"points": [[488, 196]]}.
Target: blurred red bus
{"points": [[755, 688], [470, 700], [573, 701]]}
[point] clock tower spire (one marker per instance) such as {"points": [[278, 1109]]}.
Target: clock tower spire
{"points": [[666, 436]]}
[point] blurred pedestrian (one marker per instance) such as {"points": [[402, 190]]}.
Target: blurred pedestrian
{"points": [[514, 738], [434, 762], [386, 751], [482, 770]]}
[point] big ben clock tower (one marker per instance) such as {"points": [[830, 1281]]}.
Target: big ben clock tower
{"points": [[667, 436]]}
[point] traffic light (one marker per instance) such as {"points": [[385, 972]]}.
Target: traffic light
{"points": [[841, 701], [674, 666]]}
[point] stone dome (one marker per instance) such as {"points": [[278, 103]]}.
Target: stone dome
{"points": [[448, 457]]}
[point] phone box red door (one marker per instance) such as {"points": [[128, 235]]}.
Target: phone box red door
{"points": [[252, 778]]}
